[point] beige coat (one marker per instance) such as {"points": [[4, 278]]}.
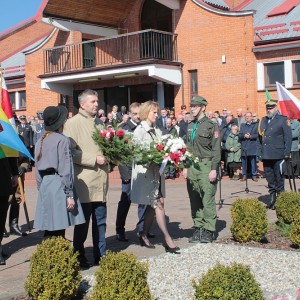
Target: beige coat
{"points": [[91, 180], [145, 182]]}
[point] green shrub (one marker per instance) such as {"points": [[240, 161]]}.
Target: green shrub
{"points": [[54, 271], [295, 232], [249, 220], [234, 282], [287, 207], [120, 276], [283, 229]]}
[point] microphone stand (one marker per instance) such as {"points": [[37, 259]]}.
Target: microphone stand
{"points": [[246, 190]]}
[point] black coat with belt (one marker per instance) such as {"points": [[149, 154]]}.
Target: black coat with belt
{"points": [[276, 139]]}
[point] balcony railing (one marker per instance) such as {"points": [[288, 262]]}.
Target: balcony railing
{"points": [[120, 49]]}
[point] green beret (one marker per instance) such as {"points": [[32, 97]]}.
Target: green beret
{"points": [[271, 103], [198, 100]]}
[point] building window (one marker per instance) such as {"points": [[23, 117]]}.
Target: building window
{"points": [[18, 100], [193, 83], [12, 98], [296, 72], [274, 72], [22, 99]]}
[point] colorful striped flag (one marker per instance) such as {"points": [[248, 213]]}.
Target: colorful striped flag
{"points": [[10, 143], [289, 104]]}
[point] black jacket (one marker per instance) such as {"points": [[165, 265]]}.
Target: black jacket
{"points": [[125, 170], [27, 134], [9, 168], [276, 141], [249, 146], [159, 123]]}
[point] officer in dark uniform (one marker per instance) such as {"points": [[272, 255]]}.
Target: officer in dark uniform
{"points": [[26, 133], [204, 142], [274, 148]]}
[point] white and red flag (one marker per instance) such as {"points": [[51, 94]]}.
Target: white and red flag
{"points": [[5, 102], [289, 104]]}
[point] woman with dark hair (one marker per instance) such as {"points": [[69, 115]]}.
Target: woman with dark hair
{"points": [[57, 207], [148, 186]]}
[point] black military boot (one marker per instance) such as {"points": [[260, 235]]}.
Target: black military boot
{"points": [[15, 229], [206, 236], [195, 238], [273, 200]]}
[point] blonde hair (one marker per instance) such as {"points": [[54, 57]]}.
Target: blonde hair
{"points": [[146, 107], [235, 127]]}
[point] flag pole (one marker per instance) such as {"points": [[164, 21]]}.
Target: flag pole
{"points": [[24, 202]]}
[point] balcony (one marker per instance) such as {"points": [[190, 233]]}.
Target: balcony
{"points": [[113, 51]]}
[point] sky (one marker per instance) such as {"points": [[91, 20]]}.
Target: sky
{"points": [[14, 12]]}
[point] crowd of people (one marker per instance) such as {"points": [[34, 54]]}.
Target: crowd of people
{"points": [[72, 173]]}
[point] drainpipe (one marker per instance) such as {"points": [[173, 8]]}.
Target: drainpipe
{"points": [[182, 86]]}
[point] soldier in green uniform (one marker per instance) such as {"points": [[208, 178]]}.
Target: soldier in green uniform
{"points": [[204, 142]]}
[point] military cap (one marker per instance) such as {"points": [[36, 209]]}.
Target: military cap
{"points": [[23, 117], [271, 103], [198, 100]]}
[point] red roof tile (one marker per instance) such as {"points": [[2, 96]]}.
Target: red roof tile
{"points": [[273, 32], [284, 8], [270, 26]]}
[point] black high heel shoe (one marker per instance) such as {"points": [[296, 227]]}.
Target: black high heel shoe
{"points": [[143, 244], [174, 250]]}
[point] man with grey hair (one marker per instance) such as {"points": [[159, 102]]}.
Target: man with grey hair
{"points": [[240, 119], [91, 176]]}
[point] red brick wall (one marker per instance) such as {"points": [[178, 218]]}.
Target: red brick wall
{"points": [[12, 43], [37, 98], [203, 38], [274, 56]]}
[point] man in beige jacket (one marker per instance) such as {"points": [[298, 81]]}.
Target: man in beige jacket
{"points": [[91, 176]]}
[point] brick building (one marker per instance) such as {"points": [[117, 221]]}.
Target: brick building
{"points": [[229, 51]]}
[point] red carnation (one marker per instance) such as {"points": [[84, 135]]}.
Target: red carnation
{"points": [[175, 157], [111, 133], [120, 134], [183, 150], [103, 134], [160, 147]]}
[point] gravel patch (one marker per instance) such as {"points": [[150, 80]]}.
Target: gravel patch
{"points": [[170, 275]]}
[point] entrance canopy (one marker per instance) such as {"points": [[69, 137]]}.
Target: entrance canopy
{"points": [[63, 84]]}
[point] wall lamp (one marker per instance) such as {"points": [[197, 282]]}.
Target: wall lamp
{"points": [[89, 79], [126, 75]]}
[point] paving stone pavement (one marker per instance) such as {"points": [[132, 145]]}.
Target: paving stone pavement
{"points": [[14, 273]]}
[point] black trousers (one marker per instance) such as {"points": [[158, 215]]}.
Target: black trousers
{"points": [[122, 212], [275, 174], [3, 214]]}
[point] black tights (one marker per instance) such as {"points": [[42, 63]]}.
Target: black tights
{"points": [[56, 233]]}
